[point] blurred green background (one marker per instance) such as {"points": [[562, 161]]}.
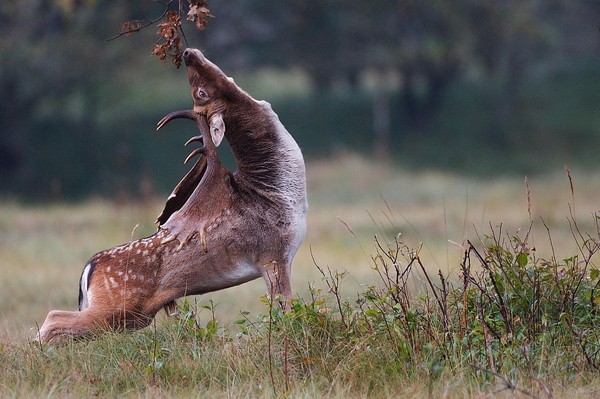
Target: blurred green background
{"points": [[482, 88]]}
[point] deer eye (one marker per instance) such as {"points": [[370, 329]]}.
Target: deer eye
{"points": [[202, 94]]}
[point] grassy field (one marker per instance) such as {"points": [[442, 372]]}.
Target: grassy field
{"points": [[43, 248]]}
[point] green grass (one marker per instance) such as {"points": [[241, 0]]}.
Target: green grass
{"points": [[372, 320]]}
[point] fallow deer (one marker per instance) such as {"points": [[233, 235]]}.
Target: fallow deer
{"points": [[218, 229]]}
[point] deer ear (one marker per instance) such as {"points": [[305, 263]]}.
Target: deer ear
{"points": [[217, 128]]}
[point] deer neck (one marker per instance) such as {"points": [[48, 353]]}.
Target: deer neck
{"points": [[269, 160]]}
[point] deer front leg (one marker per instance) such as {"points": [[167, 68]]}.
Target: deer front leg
{"points": [[277, 276]]}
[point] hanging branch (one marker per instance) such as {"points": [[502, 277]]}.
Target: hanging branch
{"points": [[170, 30], [136, 25]]}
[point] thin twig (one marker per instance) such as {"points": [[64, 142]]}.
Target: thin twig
{"points": [[269, 333], [286, 373], [507, 383], [568, 172], [333, 282], [501, 305], [486, 336], [147, 24]]}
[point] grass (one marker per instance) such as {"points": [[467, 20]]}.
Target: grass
{"points": [[372, 320]]}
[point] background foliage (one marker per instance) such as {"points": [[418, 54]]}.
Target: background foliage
{"points": [[476, 87]]}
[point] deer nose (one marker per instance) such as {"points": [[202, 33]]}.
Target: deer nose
{"points": [[186, 55], [191, 55]]}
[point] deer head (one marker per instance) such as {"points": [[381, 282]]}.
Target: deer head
{"points": [[211, 91]]}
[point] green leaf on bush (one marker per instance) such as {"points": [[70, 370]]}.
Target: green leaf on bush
{"points": [[522, 259]]}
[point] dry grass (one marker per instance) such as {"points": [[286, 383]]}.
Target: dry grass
{"points": [[42, 249], [436, 209]]}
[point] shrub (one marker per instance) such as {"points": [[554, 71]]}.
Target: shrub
{"points": [[509, 316]]}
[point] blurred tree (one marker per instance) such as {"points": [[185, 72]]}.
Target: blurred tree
{"points": [[54, 58], [336, 42], [510, 38], [28, 71], [426, 46], [61, 81]]}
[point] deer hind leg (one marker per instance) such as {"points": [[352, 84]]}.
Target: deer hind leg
{"points": [[60, 324]]}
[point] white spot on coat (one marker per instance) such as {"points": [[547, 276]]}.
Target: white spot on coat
{"points": [[113, 282]]}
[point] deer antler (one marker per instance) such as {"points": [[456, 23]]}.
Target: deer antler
{"points": [[190, 181]]}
